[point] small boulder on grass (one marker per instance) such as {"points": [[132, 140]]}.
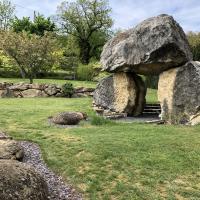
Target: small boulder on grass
{"points": [[68, 118]]}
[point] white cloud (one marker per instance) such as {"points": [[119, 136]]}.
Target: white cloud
{"points": [[128, 13]]}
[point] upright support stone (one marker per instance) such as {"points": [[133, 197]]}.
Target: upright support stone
{"points": [[120, 93], [179, 93]]}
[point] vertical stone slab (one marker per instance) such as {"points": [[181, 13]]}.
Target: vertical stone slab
{"points": [[121, 93], [179, 93]]}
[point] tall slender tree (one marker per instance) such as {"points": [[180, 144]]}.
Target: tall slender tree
{"points": [[7, 11]]}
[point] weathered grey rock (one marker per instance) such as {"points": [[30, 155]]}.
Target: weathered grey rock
{"points": [[38, 86], [195, 119], [179, 93], [30, 93], [19, 181], [118, 93], [2, 93], [25, 90], [10, 149], [5, 85], [7, 93], [4, 136], [51, 90], [68, 118], [19, 87], [153, 46]]}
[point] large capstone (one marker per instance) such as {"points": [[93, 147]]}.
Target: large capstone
{"points": [[121, 93], [179, 93], [150, 48], [20, 181]]}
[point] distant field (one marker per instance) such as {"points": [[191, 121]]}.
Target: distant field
{"points": [[151, 96]]}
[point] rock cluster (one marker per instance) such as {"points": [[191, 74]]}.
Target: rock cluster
{"points": [[157, 46], [24, 90], [18, 180]]}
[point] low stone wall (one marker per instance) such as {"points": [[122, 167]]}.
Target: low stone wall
{"points": [[24, 90]]}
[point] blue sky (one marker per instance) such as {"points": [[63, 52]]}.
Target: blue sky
{"points": [[127, 13]]}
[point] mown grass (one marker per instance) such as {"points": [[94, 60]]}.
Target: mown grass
{"points": [[89, 84], [151, 96], [110, 160]]}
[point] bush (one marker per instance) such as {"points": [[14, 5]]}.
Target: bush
{"points": [[86, 72], [68, 89], [99, 121]]}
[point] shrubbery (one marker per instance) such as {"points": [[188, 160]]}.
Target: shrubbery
{"points": [[99, 121], [152, 82], [86, 72], [68, 89]]}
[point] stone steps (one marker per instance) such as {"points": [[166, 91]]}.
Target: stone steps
{"points": [[152, 109]]}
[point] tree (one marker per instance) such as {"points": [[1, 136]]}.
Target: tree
{"points": [[194, 41], [69, 59], [31, 53], [83, 19], [6, 14], [20, 25], [38, 26]]}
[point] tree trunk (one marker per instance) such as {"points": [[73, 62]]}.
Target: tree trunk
{"points": [[85, 52], [31, 79], [23, 74]]}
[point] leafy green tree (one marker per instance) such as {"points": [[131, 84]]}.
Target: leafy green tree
{"points": [[31, 53], [194, 41], [20, 25], [6, 14], [84, 19], [38, 26], [97, 41]]}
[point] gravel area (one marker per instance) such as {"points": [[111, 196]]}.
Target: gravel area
{"points": [[58, 190], [140, 119]]}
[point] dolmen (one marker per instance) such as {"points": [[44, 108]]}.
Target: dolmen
{"points": [[157, 46]]}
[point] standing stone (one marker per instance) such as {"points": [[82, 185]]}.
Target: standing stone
{"points": [[179, 93], [117, 93], [153, 46]]}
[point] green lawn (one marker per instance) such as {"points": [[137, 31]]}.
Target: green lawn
{"points": [[51, 81], [151, 96], [112, 161]]}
